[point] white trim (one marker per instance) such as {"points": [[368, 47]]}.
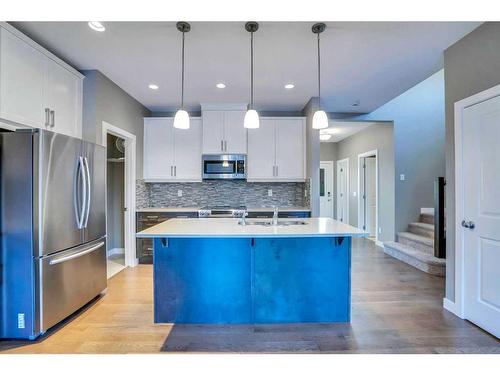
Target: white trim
{"points": [[450, 306], [115, 251], [360, 156], [379, 244], [130, 159], [331, 165], [427, 210], [224, 106], [347, 188], [460, 106]]}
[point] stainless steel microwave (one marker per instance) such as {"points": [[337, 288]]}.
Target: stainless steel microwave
{"points": [[222, 167]]}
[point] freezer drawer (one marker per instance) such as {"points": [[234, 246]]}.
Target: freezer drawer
{"points": [[70, 279]]}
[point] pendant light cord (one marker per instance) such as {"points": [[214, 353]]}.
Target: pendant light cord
{"points": [[319, 77], [251, 70], [182, 79]]}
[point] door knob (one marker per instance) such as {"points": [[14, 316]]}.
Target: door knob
{"points": [[468, 224]]}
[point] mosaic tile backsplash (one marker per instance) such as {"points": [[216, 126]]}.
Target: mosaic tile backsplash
{"points": [[208, 193]]}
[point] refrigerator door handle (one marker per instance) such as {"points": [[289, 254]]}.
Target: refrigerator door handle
{"points": [[89, 192], [76, 255], [80, 211]]}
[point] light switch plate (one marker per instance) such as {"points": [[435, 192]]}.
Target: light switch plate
{"points": [[179, 193], [401, 177], [354, 193], [270, 192]]}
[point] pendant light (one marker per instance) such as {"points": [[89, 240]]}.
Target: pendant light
{"points": [[251, 120], [320, 120], [181, 119]]}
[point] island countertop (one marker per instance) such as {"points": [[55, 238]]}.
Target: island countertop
{"points": [[229, 227]]}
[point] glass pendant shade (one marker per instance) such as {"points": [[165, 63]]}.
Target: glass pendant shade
{"points": [[251, 119], [320, 120], [181, 119]]}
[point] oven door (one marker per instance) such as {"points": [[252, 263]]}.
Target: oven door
{"points": [[217, 167]]}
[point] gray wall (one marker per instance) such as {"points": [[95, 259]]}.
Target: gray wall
{"points": [[418, 117], [375, 137], [312, 155], [471, 65], [103, 100], [328, 151]]}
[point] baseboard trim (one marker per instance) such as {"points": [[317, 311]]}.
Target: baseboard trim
{"points": [[427, 210], [450, 306], [379, 244], [116, 251]]}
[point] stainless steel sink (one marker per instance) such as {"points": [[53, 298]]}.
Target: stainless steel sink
{"points": [[268, 223]]}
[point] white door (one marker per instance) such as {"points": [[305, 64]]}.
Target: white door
{"points": [[481, 206], [187, 145], [235, 134], [213, 132], [290, 145], [326, 189], [261, 151], [158, 149], [63, 93], [22, 70], [343, 190]]}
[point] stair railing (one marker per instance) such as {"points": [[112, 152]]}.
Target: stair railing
{"points": [[439, 218]]}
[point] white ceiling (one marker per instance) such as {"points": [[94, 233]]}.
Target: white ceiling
{"points": [[372, 62], [340, 130]]}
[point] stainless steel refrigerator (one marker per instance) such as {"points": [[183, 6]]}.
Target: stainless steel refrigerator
{"points": [[53, 229]]}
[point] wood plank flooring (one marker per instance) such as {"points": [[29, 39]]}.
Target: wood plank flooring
{"points": [[395, 309]]}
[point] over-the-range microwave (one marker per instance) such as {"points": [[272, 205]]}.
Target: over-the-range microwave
{"points": [[223, 167]]}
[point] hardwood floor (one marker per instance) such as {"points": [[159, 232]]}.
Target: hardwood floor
{"points": [[395, 309]]}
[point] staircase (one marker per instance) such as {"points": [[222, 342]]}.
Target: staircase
{"points": [[416, 247]]}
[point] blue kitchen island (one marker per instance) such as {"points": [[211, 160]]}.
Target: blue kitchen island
{"points": [[211, 271]]}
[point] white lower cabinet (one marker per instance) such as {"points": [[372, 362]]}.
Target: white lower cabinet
{"points": [[171, 154], [276, 150], [37, 89]]}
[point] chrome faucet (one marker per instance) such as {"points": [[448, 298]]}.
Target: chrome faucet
{"points": [[275, 216], [244, 218]]}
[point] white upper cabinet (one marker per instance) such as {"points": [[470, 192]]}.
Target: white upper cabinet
{"points": [[223, 132], [213, 132], [63, 100], [276, 150], [235, 134], [22, 70], [290, 148], [36, 88], [172, 154], [261, 151]]}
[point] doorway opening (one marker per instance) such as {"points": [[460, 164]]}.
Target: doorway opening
{"points": [[125, 156], [326, 189], [343, 190], [115, 219], [368, 193]]}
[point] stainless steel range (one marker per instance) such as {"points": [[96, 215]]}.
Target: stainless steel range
{"points": [[222, 211]]}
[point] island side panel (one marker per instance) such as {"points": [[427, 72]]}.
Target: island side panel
{"points": [[302, 279], [202, 280]]}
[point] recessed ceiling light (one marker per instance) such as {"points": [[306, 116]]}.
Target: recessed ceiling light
{"points": [[153, 86], [325, 137], [289, 86], [97, 26], [220, 85]]}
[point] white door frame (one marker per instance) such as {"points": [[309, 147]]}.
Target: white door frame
{"points": [[329, 163], [457, 307], [347, 188], [129, 215], [360, 156]]}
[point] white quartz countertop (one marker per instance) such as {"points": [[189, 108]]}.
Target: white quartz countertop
{"points": [[229, 227], [195, 209]]}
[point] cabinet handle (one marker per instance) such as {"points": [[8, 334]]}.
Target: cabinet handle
{"points": [[47, 115], [225, 145], [175, 170], [274, 170], [172, 170], [277, 171], [222, 145], [52, 118]]}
